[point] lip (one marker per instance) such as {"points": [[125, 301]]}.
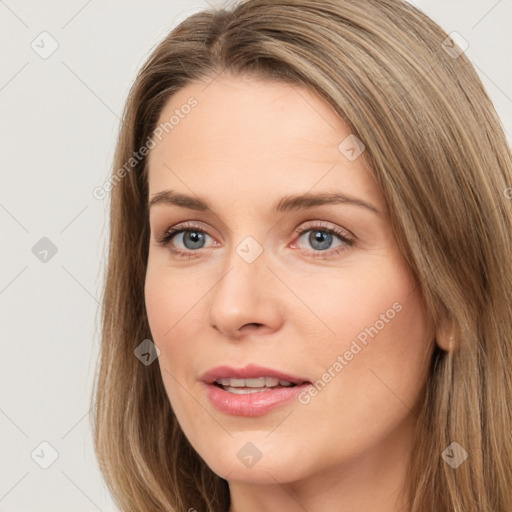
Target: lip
{"points": [[250, 371], [251, 404]]}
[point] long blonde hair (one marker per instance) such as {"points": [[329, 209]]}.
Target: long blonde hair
{"points": [[438, 151]]}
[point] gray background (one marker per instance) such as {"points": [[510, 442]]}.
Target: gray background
{"points": [[59, 120]]}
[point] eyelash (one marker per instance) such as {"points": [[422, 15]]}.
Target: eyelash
{"points": [[347, 240]]}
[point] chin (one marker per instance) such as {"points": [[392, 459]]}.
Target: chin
{"points": [[261, 462]]}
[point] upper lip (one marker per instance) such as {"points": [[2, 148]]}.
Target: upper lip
{"points": [[247, 372]]}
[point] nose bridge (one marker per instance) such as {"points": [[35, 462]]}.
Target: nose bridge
{"points": [[243, 295], [241, 285]]}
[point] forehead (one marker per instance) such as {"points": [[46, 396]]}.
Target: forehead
{"points": [[252, 134]]}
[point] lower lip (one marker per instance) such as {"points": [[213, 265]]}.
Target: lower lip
{"points": [[252, 404]]}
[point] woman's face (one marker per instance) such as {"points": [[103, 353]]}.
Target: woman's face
{"points": [[282, 269]]}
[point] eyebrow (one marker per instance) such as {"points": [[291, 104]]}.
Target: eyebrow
{"points": [[287, 203]]}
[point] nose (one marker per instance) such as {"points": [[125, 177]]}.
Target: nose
{"points": [[245, 299]]}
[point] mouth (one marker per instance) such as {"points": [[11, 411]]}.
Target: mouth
{"points": [[252, 390]]}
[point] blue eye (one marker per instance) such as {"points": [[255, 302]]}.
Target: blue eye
{"points": [[319, 240], [185, 239], [315, 240], [193, 239], [324, 241]]}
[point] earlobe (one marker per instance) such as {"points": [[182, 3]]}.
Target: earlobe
{"points": [[445, 338]]}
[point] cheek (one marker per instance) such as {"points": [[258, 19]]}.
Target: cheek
{"points": [[364, 304], [169, 296], [173, 302], [380, 340], [384, 363]]}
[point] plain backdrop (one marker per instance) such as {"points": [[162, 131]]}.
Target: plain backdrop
{"points": [[59, 119]]}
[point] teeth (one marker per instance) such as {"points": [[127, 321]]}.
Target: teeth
{"points": [[245, 391], [236, 383], [255, 383]]}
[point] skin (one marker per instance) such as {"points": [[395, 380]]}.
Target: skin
{"points": [[296, 308]]}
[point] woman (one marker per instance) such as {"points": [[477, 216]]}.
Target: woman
{"points": [[308, 298]]}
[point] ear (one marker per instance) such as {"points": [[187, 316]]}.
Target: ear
{"points": [[446, 338]]}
